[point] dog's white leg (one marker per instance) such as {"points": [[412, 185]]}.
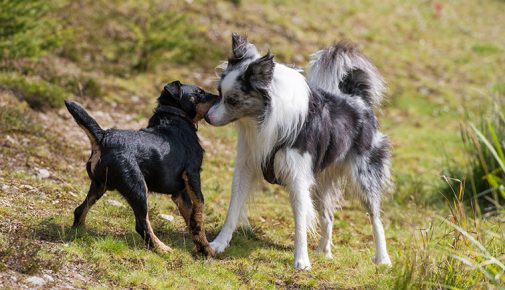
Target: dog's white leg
{"points": [[301, 203], [243, 180], [381, 253], [327, 195], [296, 171], [326, 223]]}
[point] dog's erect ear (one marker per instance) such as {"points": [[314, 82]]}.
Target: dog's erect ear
{"points": [[238, 45], [241, 49], [174, 90], [260, 72]]}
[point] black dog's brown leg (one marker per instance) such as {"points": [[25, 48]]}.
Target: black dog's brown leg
{"points": [[196, 220], [95, 192], [136, 196], [183, 206]]}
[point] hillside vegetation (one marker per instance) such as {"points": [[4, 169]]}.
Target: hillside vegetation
{"points": [[443, 62]]}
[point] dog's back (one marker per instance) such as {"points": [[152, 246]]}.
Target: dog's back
{"points": [[160, 152]]}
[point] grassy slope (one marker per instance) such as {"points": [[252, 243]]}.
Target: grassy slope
{"points": [[435, 66]]}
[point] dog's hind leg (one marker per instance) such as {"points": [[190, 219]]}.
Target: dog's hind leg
{"points": [[134, 190], [95, 192], [370, 174], [326, 196], [197, 217]]}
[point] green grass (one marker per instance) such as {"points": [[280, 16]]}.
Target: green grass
{"points": [[39, 94], [439, 68]]}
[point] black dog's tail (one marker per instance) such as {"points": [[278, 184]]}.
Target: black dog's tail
{"points": [[86, 122], [342, 68]]}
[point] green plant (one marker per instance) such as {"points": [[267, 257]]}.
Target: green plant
{"points": [[20, 253], [17, 120], [485, 171], [25, 31], [39, 94], [122, 37]]}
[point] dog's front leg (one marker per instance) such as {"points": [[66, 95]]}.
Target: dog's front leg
{"points": [[298, 177], [243, 180], [197, 215], [301, 203]]}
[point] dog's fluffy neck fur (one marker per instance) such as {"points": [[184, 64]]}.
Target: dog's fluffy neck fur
{"points": [[284, 117]]}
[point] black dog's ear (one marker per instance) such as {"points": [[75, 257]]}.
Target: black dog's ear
{"points": [[260, 72], [174, 90], [238, 45]]}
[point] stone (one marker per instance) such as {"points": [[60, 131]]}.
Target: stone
{"points": [[48, 278], [114, 203], [42, 173], [37, 281], [167, 217]]}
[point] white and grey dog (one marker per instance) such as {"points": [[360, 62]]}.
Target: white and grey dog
{"points": [[317, 137]]}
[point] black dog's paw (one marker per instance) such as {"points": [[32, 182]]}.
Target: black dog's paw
{"points": [[205, 251]]}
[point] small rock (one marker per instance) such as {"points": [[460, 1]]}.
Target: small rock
{"points": [[37, 281], [26, 186], [135, 99], [114, 203], [167, 217], [10, 140], [425, 91], [48, 278], [4, 187], [100, 114], [42, 173]]}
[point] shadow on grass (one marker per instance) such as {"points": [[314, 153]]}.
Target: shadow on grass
{"points": [[244, 242]]}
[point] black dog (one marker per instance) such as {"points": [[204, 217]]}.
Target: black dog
{"points": [[166, 157]]}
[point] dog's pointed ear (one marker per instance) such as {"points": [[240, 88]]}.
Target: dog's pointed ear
{"points": [[238, 45], [241, 49], [260, 72], [173, 90]]}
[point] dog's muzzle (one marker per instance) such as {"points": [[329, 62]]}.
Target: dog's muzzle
{"points": [[211, 111]]}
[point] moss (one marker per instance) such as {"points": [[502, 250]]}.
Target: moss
{"points": [[499, 89], [17, 119], [486, 49], [39, 94], [22, 254]]}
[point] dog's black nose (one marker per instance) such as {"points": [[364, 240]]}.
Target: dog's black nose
{"points": [[206, 117], [213, 97]]}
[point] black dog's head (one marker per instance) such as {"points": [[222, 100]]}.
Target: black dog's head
{"points": [[194, 101]]}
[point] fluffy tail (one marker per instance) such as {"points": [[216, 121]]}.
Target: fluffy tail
{"points": [[342, 68], [86, 122]]}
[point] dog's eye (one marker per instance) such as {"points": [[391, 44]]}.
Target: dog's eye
{"points": [[231, 101]]}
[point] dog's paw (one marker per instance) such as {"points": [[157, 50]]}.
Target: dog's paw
{"points": [[302, 265], [327, 254], [324, 251], [162, 248], [218, 247], [382, 260], [208, 251]]}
